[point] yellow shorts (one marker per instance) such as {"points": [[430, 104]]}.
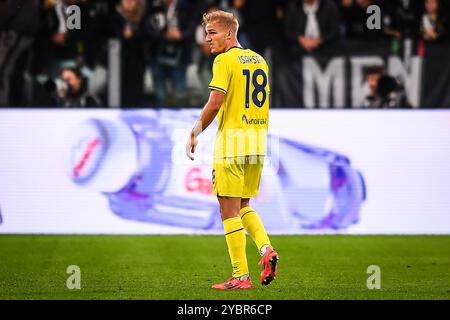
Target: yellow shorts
{"points": [[237, 177]]}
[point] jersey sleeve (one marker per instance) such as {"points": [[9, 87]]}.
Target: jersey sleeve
{"points": [[220, 75], [266, 67]]}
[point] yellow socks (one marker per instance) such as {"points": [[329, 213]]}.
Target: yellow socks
{"points": [[254, 226], [236, 241]]}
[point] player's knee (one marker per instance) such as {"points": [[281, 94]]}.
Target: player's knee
{"points": [[229, 208], [245, 203], [228, 213]]}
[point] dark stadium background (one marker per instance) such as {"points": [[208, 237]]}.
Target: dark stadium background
{"points": [[127, 61], [37, 45]]}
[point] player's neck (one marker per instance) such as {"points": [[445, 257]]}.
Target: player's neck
{"points": [[233, 44]]}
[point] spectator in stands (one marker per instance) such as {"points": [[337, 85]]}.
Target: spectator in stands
{"points": [[354, 20], [71, 90], [128, 22], [59, 45], [85, 47], [373, 75], [172, 33], [312, 25], [236, 7], [95, 18], [19, 21], [205, 57], [401, 22], [384, 90], [434, 24], [260, 22]]}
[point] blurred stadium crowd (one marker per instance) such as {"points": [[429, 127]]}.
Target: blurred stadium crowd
{"points": [[163, 58]]}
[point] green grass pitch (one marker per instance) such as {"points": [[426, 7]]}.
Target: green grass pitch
{"points": [[184, 267]]}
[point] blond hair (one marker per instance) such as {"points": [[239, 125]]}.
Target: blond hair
{"points": [[226, 19]]}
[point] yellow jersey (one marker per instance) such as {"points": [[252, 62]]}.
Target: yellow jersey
{"points": [[243, 76]]}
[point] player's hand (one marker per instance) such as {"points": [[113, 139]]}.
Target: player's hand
{"points": [[190, 146]]}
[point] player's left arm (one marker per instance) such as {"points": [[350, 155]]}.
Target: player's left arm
{"points": [[207, 116]]}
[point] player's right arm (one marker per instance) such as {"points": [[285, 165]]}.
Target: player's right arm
{"points": [[219, 87], [208, 114]]}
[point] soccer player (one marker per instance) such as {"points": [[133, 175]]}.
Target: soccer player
{"points": [[240, 96]]}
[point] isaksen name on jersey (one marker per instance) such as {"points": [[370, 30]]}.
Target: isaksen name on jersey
{"points": [[249, 59]]}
